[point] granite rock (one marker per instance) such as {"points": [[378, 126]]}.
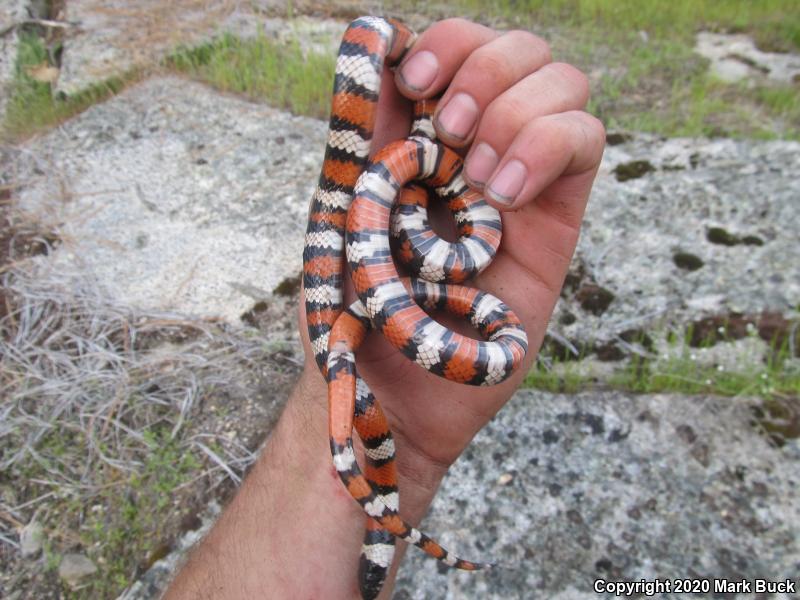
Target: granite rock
{"points": [[636, 230], [563, 490], [735, 57], [75, 567], [113, 37], [176, 197], [184, 198]]}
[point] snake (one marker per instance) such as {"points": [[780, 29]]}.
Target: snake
{"points": [[365, 214]]}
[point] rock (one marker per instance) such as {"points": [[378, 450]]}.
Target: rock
{"points": [[735, 57], [75, 567], [646, 240], [167, 233], [12, 12], [617, 486], [30, 539], [155, 580], [118, 35]]}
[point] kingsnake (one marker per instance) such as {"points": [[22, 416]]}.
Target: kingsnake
{"points": [[357, 197]]}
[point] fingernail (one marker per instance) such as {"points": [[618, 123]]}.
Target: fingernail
{"points": [[458, 116], [419, 71], [505, 186], [481, 163]]}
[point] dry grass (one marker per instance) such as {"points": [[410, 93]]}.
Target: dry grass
{"points": [[105, 432]]}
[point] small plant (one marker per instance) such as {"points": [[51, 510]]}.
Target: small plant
{"points": [[125, 530], [33, 105], [565, 380], [680, 371], [281, 74]]}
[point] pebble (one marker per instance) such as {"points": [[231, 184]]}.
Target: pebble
{"points": [[30, 539], [75, 567]]}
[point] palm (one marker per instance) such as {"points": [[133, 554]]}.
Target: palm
{"points": [[439, 417]]}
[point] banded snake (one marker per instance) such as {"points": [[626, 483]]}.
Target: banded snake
{"points": [[352, 216]]}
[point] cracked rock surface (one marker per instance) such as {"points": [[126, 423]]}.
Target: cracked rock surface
{"points": [[178, 197], [562, 490]]}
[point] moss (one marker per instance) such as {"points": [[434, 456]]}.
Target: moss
{"points": [[718, 235], [687, 261], [633, 170], [752, 240], [251, 316], [594, 298], [617, 138], [289, 287]]}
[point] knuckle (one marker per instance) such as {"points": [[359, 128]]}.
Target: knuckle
{"points": [[571, 75], [455, 22], [595, 127], [452, 25], [546, 131], [526, 41], [595, 133], [508, 109], [446, 29], [483, 60], [584, 135], [592, 128], [489, 65]]}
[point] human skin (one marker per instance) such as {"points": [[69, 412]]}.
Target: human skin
{"points": [[292, 531]]}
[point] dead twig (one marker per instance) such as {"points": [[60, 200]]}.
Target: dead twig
{"points": [[41, 22]]}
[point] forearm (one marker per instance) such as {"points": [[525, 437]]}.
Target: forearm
{"points": [[292, 530]]}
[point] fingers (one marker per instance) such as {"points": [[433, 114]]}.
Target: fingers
{"points": [[548, 147], [438, 54], [520, 112], [491, 71], [475, 65], [555, 88]]}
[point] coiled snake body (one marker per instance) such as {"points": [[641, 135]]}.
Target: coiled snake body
{"points": [[354, 207]]}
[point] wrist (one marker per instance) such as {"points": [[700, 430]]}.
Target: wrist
{"points": [[306, 415]]}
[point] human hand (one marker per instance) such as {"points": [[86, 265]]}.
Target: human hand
{"points": [[533, 151]]}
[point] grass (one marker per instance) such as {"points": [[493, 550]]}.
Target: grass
{"points": [[685, 375], [120, 521], [774, 22], [567, 380], [101, 435], [282, 75], [645, 76], [128, 529], [32, 105], [259, 68], [659, 85], [679, 370]]}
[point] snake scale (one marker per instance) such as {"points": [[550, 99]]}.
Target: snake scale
{"points": [[361, 211]]}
